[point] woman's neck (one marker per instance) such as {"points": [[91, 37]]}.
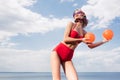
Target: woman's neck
{"points": [[79, 28]]}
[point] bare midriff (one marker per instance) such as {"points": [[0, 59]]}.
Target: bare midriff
{"points": [[71, 45]]}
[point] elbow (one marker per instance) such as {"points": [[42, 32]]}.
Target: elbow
{"points": [[65, 40], [91, 46]]}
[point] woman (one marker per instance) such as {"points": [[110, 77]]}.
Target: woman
{"points": [[63, 53]]}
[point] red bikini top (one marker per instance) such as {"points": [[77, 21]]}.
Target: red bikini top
{"points": [[74, 34]]}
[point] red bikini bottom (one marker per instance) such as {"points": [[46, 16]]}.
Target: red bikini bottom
{"points": [[64, 52]]}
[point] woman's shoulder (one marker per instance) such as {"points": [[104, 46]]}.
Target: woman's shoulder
{"points": [[71, 23]]}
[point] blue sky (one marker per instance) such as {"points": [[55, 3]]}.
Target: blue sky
{"points": [[30, 29]]}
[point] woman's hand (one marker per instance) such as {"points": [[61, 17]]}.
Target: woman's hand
{"points": [[104, 40], [85, 40]]}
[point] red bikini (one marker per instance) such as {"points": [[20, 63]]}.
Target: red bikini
{"points": [[64, 52]]}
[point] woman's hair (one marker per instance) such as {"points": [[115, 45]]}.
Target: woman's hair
{"points": [[84, 20]]}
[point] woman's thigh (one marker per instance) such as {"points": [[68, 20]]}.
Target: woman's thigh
{"points": [[55, 65], [69, 70]]}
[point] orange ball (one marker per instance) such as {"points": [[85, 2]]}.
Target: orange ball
{"points": [[108, 34], [90, 36]]}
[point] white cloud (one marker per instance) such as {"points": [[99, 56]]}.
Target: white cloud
{"points": [[75, 5], [7, 44], [92, 60], [26, 2], [24, 60], [16, 19], [104, 11], [67, 0], [39, 61]]}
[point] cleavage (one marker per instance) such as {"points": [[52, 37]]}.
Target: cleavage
{"points": [[80, 32]]}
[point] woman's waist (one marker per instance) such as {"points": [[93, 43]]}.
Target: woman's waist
{"points": [[71, 46]]}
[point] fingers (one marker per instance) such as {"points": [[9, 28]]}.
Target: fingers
{"points": [[105, 40], [86, 40]]}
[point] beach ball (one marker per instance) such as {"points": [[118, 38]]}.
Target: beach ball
{"points": [[90, 36], [108, 34]]}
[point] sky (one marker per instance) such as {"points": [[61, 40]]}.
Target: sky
{"points": [[30, 29]]}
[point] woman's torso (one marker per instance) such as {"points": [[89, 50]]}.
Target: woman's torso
{"points": [[74, 33]]}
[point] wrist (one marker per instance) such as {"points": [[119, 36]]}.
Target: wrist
{"points": [[82, 39]]}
